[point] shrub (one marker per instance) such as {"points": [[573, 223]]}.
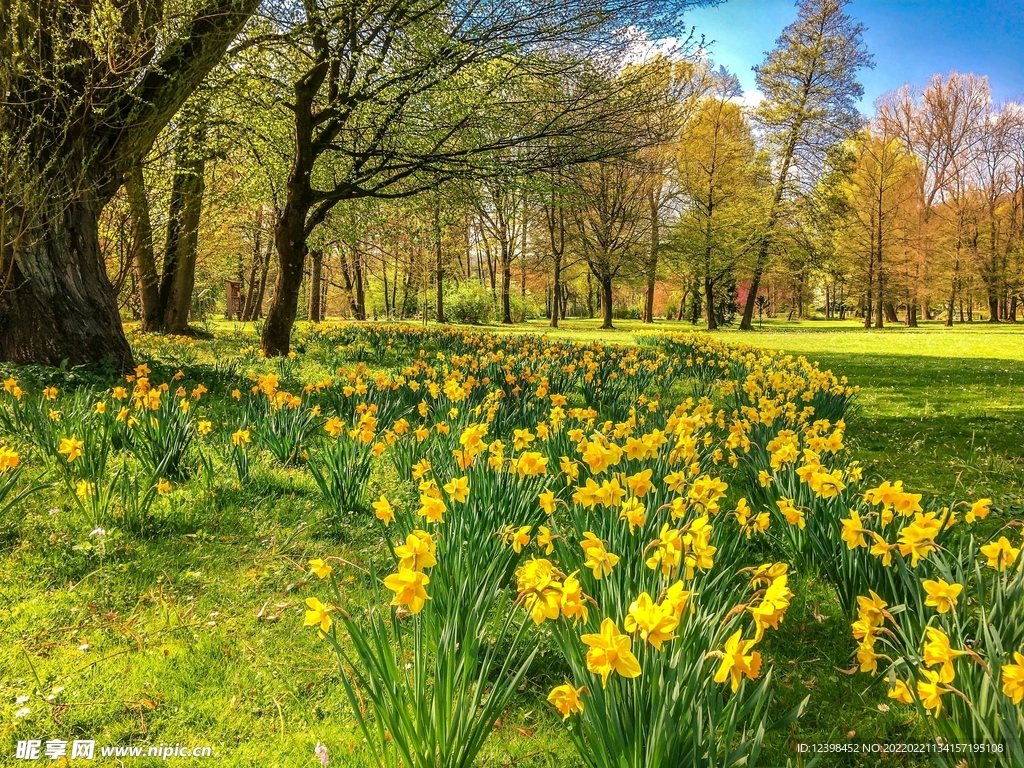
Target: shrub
{"points": [[470, 303]]}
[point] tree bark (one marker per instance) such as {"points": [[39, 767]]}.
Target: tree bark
{"points": [[186, 207], [290, 240], [142, 249], [257, 258], [315, 269], [652, 263], [709, 300], [556, 294], [60, 304], [439, 264], [506, 281], [293, 223], [606, 302], [590, 297], [357, 274], [993, 308], [257, 308]]}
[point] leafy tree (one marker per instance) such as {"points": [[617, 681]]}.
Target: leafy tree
{"points": [[611, 222], [880, 192], [809, 82], [391, 97], [87, 90], [721, 176]]}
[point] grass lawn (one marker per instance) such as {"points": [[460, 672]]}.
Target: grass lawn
{"points": [[192, 633]]}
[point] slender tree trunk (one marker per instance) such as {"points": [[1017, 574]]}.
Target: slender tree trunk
{"points": [[257, 309], [253, 293], [869, 298], [360, 283], [406, 284], [439, 264], [349, 286], [952, 305], [491, 271], [709, 300], [315, 270], [606, 302], [556, 294], [746, 323], [142, 249], [652, 261], [506, 281], [186, 208]]}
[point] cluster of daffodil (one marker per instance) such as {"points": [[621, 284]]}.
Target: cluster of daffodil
{"points": [[641, 589], [954, 648], [87, 439], [435, 661]]}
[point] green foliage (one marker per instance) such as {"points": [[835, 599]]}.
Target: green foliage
{"points": [[340, 469], [470, 303]]}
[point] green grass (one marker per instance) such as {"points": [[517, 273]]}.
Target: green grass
{"points": [[192, 633]]}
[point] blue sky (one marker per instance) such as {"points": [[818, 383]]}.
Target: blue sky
{"points": [[910, 39]]}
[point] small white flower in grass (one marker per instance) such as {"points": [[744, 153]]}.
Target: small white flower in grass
{"points": [[21, 700], [320, 753], [23, 712], [98, 532]]}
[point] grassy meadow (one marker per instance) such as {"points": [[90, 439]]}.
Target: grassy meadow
{"points": [[189, 629]]}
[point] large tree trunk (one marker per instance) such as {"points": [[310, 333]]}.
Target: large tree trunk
{"points": [[60, 304], [142, 249], [293, 224], [290, 240], [993, 308]]}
